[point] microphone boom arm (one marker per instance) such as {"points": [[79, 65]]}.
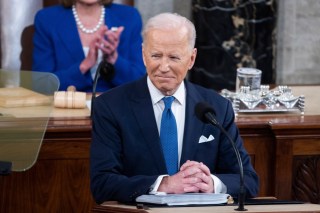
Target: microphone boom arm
{"points": [[95, 81], [241, 196]]}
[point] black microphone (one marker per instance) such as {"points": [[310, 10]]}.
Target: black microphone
{"points": [[207, 114], [107, 71]]}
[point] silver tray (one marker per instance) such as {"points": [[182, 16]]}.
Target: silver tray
{"points": [[279, 100], [276, 110]]}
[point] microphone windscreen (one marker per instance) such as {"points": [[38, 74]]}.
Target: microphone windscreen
{"points": [[107, 71], [201, 109]]}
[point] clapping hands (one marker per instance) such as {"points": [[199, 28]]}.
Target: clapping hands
{"points": [[108, 43], [106, 40]]}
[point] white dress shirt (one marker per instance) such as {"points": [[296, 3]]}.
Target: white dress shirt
{"points": [[178, 109]]}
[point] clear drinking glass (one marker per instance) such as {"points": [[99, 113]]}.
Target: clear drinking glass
{"points": [[248, 77]]}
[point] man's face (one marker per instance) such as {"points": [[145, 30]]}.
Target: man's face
{"points": [[167, 57]]}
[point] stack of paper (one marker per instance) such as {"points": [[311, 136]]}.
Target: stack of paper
{"points": [[21, 97], [186, 199]]}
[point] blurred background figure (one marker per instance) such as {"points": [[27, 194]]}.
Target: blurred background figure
{"points": [[71, 39]]}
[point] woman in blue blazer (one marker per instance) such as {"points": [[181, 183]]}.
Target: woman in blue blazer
{"points": [[70, 40]]}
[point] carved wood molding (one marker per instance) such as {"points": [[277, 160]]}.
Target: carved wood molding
{"points": [[306, 182]]}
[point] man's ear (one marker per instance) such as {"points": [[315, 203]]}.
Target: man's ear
{"points": [[193, 58], [144, 60]]}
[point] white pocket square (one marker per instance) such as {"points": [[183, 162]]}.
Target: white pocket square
{"points": [[204, 139]]}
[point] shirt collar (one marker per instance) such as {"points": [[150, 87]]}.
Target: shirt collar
{"points": [[156, 95]]}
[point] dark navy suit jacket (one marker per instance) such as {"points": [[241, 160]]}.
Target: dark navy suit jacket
{"points": [[126, 156], [58, 49]]}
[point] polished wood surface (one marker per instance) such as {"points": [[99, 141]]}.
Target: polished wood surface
{"points": [[284, 148], [285, 208]]}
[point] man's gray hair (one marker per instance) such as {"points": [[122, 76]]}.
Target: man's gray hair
{"points": [[171, 21]]}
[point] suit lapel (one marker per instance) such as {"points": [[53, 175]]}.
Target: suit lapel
{"points": [[193, 126], [69, 36], [143, 111], [111, 19]]}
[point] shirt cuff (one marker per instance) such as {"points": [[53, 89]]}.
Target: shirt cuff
{"points": [[154, 187], [219, 187]]}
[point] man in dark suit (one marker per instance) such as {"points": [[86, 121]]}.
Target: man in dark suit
{"points": [[128, 155]]}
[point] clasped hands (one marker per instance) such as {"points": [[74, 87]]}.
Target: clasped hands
{"points": [[192, 177]]}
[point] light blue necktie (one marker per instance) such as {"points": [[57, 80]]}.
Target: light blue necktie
{"points": [[169, 136]]}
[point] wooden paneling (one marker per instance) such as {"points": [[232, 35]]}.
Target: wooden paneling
{"points": [[59, 181], [47, 3], [261, 153], [55, 185], [306, 176]]}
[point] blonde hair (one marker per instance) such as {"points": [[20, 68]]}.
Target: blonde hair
{"points": [[171, 21], [69, 3]]}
